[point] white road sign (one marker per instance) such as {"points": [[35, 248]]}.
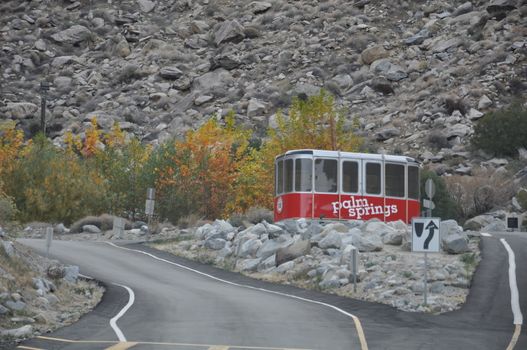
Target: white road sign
{"points": [[425, 234], [149, 207]]}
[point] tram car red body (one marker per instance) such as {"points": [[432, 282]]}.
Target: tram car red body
{"points": [[334, 185]]}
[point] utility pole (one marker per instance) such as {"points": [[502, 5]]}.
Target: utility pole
{"points": [[44, 87]]}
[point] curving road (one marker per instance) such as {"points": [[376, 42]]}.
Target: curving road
{"points": [[186, 310]]}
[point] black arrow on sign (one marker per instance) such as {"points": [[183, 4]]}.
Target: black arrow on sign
{"points": [[431, 227]]}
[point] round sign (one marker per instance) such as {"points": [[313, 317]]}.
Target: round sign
{"points": [[279, 205], [430, 188]]}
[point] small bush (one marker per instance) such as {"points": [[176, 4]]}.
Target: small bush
{"points": [[446, 207], [437, 140], [187, 221], [477, 194], [7, 208], [257, 214], [502, 132]]}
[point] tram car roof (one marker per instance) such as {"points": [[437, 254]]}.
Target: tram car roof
{"points": [[349, 155]]}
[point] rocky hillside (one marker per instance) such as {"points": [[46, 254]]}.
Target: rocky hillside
{"points": [[405, 69]]}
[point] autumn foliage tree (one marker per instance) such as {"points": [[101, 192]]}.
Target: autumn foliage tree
{"points": [[204, 168], [311, 123]]}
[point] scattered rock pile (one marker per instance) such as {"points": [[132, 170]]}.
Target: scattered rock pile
{"points": [[319, 256], [38, 295]]}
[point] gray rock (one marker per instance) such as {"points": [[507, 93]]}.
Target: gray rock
{"points": [[146, 6], [444, 45], [382, 85], [249, 248], [247, 264], [91, 229], [171, 73], [295, 250], [73, 35], [21, 110], [52, 299], [273, 231], [459, 130], [200, 100], [268, 263], [462, 9], [215, 243], [477, 223], [255, 108], [56, 271], [287, 266], [449, 227], [9, 248], [496, 226], [228, 31], [366, 243], [332, 240], [455, 243], [15, 305], [228, 60], [71, 273], [387, 133], [373, 53], [437, 287], [258, 7], [219, 78], [271, 246], [3, 310], [417, 39], [474, 114], [484, 102], [501, 7], [389, 70], [22, 332]]}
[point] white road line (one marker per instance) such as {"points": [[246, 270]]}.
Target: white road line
{"points": [[360, 332], [515, 298], [113, 321], [485, 234]]}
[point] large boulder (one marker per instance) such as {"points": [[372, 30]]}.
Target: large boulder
{"points": [[373, 53], [455, 244], [271, 246], [478, 222], [298, 248], [249, 248], [366, 242], [228, 31], [217, 79], [21, 110], [332, 240], [247, 264], [453, 239], [215, 243], [73, 35], [389, 70]]}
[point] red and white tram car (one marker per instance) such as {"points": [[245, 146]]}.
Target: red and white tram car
{"points": [[336, 185]]}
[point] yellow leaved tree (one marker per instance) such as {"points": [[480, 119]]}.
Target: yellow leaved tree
{"points": [[313, 123]]}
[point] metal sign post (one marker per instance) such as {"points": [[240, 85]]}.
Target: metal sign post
{"points": [[354, 270], [49, 239], [149, 205], [118, 226], [425, 238]]}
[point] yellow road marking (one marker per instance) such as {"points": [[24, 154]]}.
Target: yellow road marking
{"points": [[122, 346], [119, 345], [78, 341], [515, 336], [360, 332]]}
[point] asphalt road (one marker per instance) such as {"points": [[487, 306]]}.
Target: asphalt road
{"points": [[176, 306]]}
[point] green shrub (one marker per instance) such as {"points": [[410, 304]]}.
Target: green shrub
{"points": [[445, 206], [256, 215], [48, 184], [7, 208], [503, 131]]}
